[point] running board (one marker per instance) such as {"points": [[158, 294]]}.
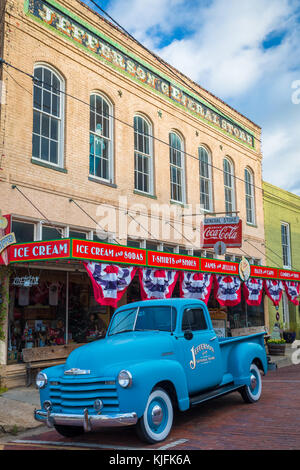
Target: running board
{"points": [[195, 400]]}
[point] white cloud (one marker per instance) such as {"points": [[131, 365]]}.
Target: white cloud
{"points": [[220, 46]]}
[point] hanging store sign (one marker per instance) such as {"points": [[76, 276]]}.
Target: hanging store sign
{"points": [[159, 259], [219, 266], [288, 275], [6, 241], [106, 253], [264, 272], [227, 230], [92, 41], [35, 251], [6, 238]]}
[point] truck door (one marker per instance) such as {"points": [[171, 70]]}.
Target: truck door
{"points": [[200, 351]]}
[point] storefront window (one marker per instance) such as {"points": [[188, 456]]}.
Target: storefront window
{"points": [[51, 233], [133, 243], [37, 311], [246, 316], [80, 235], [103, 239], [23, 231]]}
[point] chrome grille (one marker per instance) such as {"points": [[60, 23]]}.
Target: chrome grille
{"points": [[73, 395]]}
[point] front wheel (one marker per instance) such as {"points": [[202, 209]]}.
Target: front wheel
{"points": [[156, 423], [251, 393]]}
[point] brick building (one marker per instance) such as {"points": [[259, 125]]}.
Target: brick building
{"points": [[282, 213], [109, 142]]}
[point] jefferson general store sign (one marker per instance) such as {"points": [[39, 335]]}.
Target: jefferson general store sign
{"points": [[58, 19], [73, 249]]}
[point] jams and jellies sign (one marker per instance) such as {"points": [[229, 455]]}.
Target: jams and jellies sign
{"points": [[222, 229], [106, 253]]}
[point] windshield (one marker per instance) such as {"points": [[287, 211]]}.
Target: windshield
{"points": [[143, 319]]}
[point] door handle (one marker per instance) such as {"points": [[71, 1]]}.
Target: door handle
{"points": [[213, 338]]}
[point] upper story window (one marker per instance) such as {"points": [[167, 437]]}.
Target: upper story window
{"points": [[48, 105], [286, 245], [101, 149], [176, 168], [228, 173], [249, 194], [143, 155], [205, 179]]}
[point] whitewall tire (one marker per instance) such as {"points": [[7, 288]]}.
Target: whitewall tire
{"points": [[156, 423]]}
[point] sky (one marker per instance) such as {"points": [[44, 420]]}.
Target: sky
{"points": [[246, 52]]}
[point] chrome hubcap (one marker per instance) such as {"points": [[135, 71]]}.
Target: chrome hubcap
{"points": [[157, 415], [253, 382]]}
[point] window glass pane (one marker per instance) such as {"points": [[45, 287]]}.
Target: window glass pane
{"points": [[151, 246], [24, 232], [55, 105], [45, 149], [205, 179], [35, 146], [100, 239], [75, 234], [194, 319], [168, 248], [54, 129], [47, 79], [51, 233], [53, 151], [36, 122], [37, 97], [38, 73], [47, 102], [45, 125], [133, 243]]}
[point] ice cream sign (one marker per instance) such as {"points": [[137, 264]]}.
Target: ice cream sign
{"points": [[45, 250]]}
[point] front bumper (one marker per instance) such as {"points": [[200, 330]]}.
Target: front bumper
{"points": [[88, 422]]}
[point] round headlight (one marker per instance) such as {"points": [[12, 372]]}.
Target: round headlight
{"points": [[125, 378], [41, 380]]}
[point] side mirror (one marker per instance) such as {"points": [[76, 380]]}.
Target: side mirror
{"points": [[188, 334]]}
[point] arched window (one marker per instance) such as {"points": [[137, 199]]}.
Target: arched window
{"points": [[101, 148], [176, 168], [205, 179], [249, 195], [48, 107], [143, 155], [229, 186]]}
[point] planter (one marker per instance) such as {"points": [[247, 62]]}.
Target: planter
{"points": [[276, 349], [289, 336]]}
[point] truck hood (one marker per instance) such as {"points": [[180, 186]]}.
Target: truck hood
{"points": [[106, 357]]}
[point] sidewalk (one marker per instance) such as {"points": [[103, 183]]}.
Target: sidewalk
{"points": [[17, 405]]}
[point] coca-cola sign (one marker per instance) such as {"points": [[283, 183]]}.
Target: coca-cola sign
{"points": [[227, 230]]}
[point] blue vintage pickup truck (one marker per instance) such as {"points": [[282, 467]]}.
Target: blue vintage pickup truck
{"points": [[157, 356]]}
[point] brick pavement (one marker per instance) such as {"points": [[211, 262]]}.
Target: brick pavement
{"points": [[226, 423]]}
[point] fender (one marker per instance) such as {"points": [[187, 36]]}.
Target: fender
{"points": [[240, 359], [145, 376]]}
